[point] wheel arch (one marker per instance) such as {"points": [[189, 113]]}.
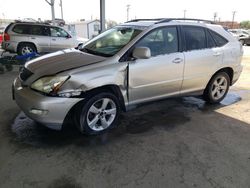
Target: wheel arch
{"points": [[228, 70], [25, 42], [114, 89]]}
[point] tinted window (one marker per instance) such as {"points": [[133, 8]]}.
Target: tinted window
{"points": [[161, 41], [220, 41], [38, 30], [58, 32], [210, 41], [195, 38], [21, 29]]}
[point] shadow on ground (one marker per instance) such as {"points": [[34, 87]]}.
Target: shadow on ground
{"points": [[164, 115]]}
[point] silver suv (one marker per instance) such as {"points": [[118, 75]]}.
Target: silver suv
{"points": [[23, 38], [133, 63]]}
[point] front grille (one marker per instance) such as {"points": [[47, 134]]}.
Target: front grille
{"points": [[25, 74]]}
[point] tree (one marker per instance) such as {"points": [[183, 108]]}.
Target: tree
{"points": [[245, 24]]}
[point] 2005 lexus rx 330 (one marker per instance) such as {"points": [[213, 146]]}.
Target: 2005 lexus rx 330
{"points": [[136, 62]]}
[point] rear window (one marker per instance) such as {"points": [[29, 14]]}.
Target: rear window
{"points": [[21, 29], [219, 40], [7, 28]]}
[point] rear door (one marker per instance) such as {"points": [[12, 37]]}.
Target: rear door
{"points": [[39, 35], [202, 57]]}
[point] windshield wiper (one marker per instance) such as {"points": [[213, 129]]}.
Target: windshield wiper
{"points": [[95, 52]]}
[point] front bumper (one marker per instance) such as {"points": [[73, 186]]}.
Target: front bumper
{"points": [[54, 109]]}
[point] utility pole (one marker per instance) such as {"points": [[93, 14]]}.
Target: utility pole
{"points": [[102, 15], [215, 16], [52, 3], [234, 12], [128, 8], [61, 5], [184, 16]]}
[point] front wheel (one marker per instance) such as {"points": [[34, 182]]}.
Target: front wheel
{"points": [[98, 114], [217, 88]]}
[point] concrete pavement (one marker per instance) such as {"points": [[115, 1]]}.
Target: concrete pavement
{"points": [[180, 142]]}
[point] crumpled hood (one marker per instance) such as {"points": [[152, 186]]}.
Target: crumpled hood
{"points": [[61, 61]]}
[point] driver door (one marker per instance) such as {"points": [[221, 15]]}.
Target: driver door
{"points": [[162, 74], [60, 39]]}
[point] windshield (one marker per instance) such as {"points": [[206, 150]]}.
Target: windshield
{"points": [[110, 42]]}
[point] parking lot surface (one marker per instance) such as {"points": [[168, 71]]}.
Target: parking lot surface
{"points": [[180, 142]]}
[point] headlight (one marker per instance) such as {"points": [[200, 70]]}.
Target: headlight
{"points": [[49, 84]]}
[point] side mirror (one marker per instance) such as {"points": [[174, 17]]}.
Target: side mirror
{"points": [[68, 37], [80, 46], [141, 53]]}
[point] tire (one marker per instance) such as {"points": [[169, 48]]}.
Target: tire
{"points": [[26, 48], [217, 88], [98, 114]]}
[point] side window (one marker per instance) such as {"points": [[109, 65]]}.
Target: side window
{"points": [[21, 29], [38, 30], [161, 41], [219, 40], [46, 30], [58, 32], [195, 38], [210, 41]]}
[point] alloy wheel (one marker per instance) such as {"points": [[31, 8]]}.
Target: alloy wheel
{"points": [[101, 114], [26, 50], [219, 87]]}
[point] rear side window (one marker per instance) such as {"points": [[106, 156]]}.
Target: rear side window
{"points": [[219, 40], [21, 29], [195, 38], [39, 30], [210, 41]]}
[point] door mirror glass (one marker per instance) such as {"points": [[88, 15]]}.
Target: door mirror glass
{"points": [[141, 53]]}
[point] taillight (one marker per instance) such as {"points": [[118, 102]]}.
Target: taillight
{"points": [[6, 37]]}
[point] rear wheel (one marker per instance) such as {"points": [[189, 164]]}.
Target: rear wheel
{"points": [[98, 114], [217, 88], [26, 48]]}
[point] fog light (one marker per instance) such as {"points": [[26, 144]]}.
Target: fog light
{"points": [[38, 112]]}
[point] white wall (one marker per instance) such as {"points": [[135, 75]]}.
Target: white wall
{"points": [[86, 29]]}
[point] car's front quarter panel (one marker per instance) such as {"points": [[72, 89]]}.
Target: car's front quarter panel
{"points": [[53, 109], [96, 76]]}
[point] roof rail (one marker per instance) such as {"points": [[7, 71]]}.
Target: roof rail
{"points": [[184, 19], [138, 20], [37, 22]]}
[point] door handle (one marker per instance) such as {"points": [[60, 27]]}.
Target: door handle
{"points": [[33, 38], [177, 60], [217, 53], [54, 39]]}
